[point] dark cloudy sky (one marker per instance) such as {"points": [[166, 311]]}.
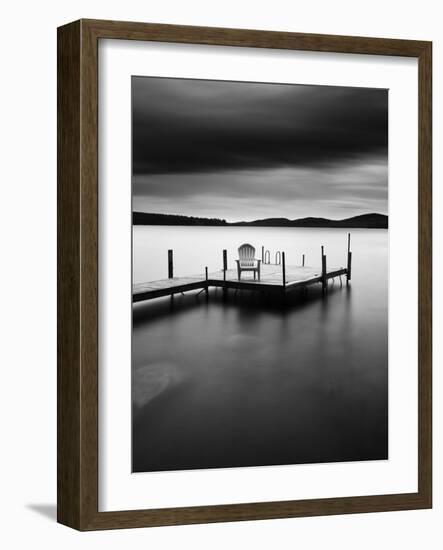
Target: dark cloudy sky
{"points": [[243, 151]]}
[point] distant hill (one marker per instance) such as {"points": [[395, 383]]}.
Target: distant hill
{"points": [[144, 218], [366, 221]]}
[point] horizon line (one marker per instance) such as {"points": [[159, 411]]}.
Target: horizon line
{"points": [[262, 219]]}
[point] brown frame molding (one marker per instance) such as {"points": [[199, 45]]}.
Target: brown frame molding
{"points": [[77, 452]]}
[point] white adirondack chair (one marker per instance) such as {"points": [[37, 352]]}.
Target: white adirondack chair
{"points": [[247, 260]]}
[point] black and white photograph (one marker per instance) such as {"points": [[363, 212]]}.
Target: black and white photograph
{"points": [[259, 274]]}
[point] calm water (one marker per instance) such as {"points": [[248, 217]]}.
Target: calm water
{"points": [[248, 381]]}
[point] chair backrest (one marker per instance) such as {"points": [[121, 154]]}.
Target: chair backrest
{"points": [[246, 253]]}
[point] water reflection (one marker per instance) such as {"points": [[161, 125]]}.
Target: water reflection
{"points": [[245, 379]]}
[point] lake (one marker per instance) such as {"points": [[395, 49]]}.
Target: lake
{"points": [[247, 380]]}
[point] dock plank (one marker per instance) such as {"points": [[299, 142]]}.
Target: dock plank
{"points": [[139, 288]]}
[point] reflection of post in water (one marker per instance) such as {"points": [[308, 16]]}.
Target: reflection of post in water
{"points": [[171, 272], [338, 310], [284, 314], [207, 285], [346, 333]]}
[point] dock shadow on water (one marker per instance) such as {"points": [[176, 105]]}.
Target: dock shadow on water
{"points": [[246, 379]]}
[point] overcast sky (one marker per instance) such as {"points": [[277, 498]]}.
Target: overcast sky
{"points": [[244, 151]]}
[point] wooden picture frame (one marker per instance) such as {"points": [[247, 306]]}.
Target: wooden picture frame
{"points": [[78, 274]]}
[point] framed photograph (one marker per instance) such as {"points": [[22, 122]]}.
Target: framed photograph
{"points": [[244, 275]]}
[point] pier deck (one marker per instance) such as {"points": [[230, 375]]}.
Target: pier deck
{"points": [[271, 279]]}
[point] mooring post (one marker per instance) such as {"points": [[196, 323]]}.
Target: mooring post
{"points": [[170, 264], [348, 271], [324, 281], [225, 267], [225, 263], [303, 261], [283, 265], [262, 254]]}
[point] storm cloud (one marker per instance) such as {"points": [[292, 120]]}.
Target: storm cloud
{"points": [[209, 147]]}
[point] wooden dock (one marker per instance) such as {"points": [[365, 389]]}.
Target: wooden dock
{"points": [[278, 278], [270, 280]]}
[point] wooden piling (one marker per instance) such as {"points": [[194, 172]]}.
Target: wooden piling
{"points": [[283, 264], [348, 273], [225, 263], [303, 261], [170, 264], [324, 280], [263, 254], [206, 279]]}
